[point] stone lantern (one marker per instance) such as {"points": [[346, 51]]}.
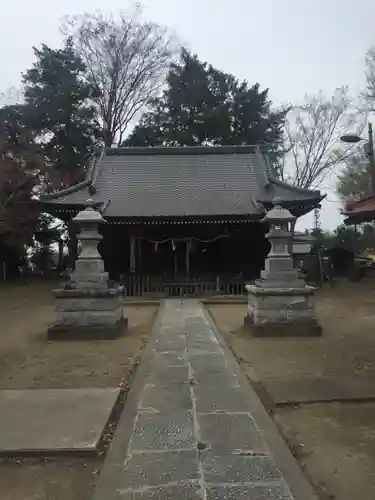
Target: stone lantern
{"points": [[280, 303], [279, 266], [89, 261], [87, 307]]}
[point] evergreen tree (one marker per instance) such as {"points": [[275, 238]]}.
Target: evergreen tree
{"points": [[59, 111], [21, 165], [204, 106]]}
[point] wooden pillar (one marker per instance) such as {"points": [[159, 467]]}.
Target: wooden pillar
{"points": [[138, 247], [187, 257], [132, 256], [175, 260]]}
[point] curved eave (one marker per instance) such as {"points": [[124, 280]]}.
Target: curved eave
{"points": [[360, 211], [360, 218], [63, 211], [50, 204], [297, 207], [304, 201], [302, 191], [51, 197], [354, 205], [90, 180], [186, 220], [299, 201]]}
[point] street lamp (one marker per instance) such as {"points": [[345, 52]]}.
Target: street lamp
{"points": [[368, 148]]}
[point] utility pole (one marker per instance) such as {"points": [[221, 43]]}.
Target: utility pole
{"points": [[369, 150]]}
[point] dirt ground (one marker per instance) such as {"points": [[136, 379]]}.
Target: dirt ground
{"points": [[334, 442], [28, 361]]}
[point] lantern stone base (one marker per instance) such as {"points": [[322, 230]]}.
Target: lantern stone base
{"points": [[84, 314], [281, 312]]}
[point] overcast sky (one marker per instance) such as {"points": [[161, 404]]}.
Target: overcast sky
{"points": [[293, 47]]}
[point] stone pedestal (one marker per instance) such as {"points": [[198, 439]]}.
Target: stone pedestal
{"points": [[282, 312], [87, 308], [280, 304]]}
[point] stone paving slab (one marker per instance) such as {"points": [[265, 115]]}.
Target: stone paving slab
{"points": [[152, 469], [54, 420], [238, 468], [187, 431], [170, 344], [168, 492], [219, 398], [275, 491], [169, 374], [320, 389], [162, 359], [166, 431], [215, 379], [230, 433], [165, 397], [208, 364]]}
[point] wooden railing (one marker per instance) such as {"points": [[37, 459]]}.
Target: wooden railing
{"points": [[136, 285]]}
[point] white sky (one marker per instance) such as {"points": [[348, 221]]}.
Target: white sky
{"points": [[293, 47]]}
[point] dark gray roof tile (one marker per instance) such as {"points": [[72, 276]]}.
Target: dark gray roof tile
{"points": [[199, 181]]}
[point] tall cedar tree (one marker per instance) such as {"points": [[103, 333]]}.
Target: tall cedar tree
{"points": [[204, 106], [60, 112], [21, 165]]}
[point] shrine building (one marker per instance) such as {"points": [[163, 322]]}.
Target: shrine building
{"points": [[181, 219]]}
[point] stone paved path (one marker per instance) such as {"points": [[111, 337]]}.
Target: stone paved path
{"points": [[191, 434]]}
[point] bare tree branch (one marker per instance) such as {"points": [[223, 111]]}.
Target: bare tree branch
{"points": [[370, 76], [312, 136], [127, 61]]}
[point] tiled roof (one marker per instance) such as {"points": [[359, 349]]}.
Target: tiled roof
{"points": [[196, 181], [360, 206], [360, 211]]}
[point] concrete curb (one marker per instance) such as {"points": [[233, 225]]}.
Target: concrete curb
{"points": [[140, 302], [223, 301], [287, 464]]}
